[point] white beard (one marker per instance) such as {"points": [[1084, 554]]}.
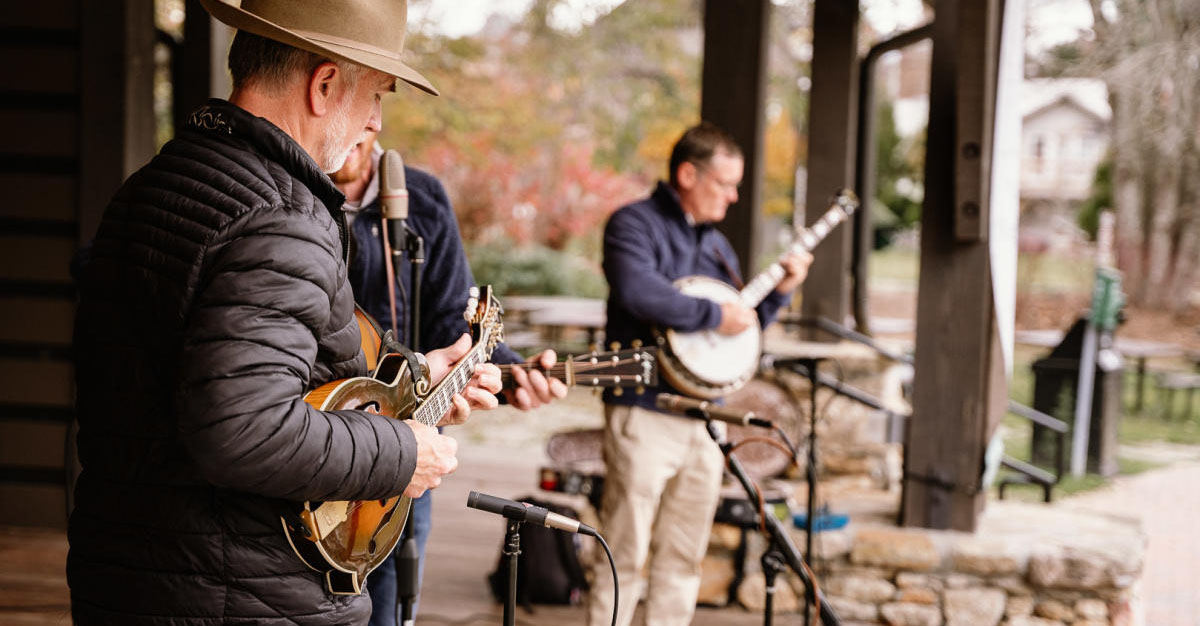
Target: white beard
{"points": [[335, 145]]}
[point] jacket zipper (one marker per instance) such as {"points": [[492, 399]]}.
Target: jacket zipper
{"points": [[342, 228]]}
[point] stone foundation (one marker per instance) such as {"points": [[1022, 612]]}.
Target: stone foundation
{"points": [[1026, 564]]}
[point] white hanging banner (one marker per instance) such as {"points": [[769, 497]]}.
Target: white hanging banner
{"points": [[1005, 200]]}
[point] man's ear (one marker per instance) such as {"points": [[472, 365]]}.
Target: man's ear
{"points": [[321, 85], [686, 175]]}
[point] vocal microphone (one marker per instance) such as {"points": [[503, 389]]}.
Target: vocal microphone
{"points": [[393, 196], [706, 410], [522, 512]]}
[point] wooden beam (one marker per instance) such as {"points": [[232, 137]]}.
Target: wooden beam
{"points": [[733, 96], [117, 116], [832, 137], [204, 53], [959, 389]]}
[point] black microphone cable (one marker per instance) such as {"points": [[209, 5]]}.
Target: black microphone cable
{"points": [[612, 564]]}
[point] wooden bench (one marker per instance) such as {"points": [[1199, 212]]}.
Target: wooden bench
{"points": [[1171, 382]]}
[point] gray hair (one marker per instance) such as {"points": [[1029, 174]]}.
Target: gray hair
{"points": [[271, 64]]}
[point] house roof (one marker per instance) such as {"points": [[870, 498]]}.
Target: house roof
{"points": [[1089, 94]]}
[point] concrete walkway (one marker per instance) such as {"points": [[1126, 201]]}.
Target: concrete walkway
{"points": [[1168, 502]]}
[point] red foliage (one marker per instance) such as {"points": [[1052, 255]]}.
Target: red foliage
{"points": [[548, 194]]}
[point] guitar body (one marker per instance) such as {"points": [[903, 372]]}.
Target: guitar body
{"points": [[705, 363], [349, 539]]}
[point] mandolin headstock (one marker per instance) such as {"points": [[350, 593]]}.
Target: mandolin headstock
{"points": [[484, 314]]}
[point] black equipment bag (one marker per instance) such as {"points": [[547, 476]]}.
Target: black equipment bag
{"points": [[548, 568]]}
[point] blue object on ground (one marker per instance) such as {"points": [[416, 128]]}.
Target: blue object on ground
{"points": [[824, 520]]}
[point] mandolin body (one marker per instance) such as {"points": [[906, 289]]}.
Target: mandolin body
{"points": [[349, 539]]}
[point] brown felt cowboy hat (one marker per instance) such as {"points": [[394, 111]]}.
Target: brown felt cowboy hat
{"points": [[366, 32]]}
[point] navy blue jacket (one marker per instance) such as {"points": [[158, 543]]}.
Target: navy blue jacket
{"points": [[445, 281], [647, 246]]}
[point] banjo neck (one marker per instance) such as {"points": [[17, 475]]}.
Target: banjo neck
{"points": [[840, 210]]}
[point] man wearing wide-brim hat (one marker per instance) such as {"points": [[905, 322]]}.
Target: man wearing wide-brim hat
{"points": [[214, 298]]}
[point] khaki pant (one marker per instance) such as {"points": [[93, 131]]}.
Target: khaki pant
{"points": [[661, 488]]}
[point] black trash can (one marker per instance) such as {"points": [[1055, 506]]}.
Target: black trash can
{"points": [[1056, 377]]}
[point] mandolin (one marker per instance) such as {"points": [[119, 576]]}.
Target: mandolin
{"points": [[707, 364], [348, 539]]}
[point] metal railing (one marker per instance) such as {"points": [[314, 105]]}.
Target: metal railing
{"points": [[1027, 473]]}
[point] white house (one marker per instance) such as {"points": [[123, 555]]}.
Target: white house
{"points": [[1064, 136]]}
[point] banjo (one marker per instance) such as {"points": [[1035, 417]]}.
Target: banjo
{"points": [[707, 364]]}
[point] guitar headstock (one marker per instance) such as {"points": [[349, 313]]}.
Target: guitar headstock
{"points": [[633, 367], [484, 313]]}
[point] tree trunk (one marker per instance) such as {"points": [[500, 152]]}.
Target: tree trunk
{"points": [[1160, 243], [1188, 238], [1127, 193]]}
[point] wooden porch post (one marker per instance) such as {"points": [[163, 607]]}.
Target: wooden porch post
{"points": [[832, 137], [733, 96], [959, 388]]}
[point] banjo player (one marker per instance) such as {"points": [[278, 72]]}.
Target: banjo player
{"points": [[663, 472]]}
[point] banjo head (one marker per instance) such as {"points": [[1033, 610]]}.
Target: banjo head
{"points": [[706, 363]]}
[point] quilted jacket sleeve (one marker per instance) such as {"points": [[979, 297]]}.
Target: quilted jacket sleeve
{"points": [[265, 296]]}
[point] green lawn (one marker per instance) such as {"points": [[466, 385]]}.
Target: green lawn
{"points": [[1147, 425], [1041, 273]]}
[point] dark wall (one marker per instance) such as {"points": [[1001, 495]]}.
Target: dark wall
{"points": [[74, 108]]}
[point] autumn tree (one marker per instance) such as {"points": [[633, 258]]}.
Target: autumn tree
{"points": [[1148, 54]]}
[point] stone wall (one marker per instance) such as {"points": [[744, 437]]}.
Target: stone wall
{"points": [[1027, 565]]}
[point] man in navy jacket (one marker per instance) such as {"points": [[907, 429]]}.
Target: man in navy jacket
{"points": [[445, 282], [663, 472]]}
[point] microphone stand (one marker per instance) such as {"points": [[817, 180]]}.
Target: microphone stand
{"points": [[781, 550], [809, 364], [512, 550], [409, 562]]}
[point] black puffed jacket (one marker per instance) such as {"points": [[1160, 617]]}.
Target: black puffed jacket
{"points": [[214, 297]]}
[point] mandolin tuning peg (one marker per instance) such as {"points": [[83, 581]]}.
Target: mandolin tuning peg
{"points": [[596, 391], [617, 391], [614, 346], [473, 292], [636, 343], [640, 389]]}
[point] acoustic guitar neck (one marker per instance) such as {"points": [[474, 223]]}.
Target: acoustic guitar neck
{"points": [[632, 367]]}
